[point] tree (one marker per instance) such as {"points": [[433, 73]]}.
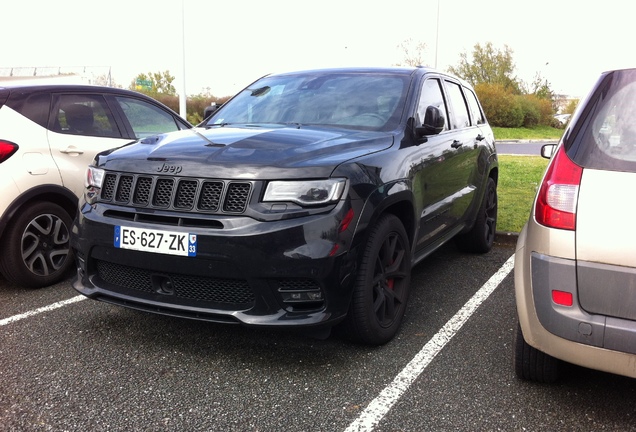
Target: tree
{"points": [[413, 53], [488, 66], [570, 106], [105, 80], [154, 83], [541, 88]]}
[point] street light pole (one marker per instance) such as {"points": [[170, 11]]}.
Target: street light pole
{"points": [[437, 34], [182, 93]]}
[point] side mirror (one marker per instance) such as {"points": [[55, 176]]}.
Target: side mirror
{"points": [[547, 150], [434, 122]]}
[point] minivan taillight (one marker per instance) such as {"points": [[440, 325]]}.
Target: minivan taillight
{"points": [[7, 148], [557, 199]]}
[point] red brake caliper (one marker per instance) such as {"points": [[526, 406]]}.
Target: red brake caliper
{"points": [[390, 282]]}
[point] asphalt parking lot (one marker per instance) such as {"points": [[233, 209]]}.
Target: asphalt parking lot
{"points": [[79, 365]]}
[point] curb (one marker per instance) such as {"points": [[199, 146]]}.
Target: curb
{"points": [[523, 141]]}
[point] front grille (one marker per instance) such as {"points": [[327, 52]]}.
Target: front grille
{"points": [[182, 194], [212, 290]]}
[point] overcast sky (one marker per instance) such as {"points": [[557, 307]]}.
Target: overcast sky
{"points": [[229, 44]]}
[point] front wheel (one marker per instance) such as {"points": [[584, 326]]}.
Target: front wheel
{"points": [[37, 246], [382, 284]]}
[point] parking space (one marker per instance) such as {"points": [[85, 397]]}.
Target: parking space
{"points": [[92, 366]]}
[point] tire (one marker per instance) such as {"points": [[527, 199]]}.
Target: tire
{"points": [[531, 364], [482, 236], [37, 246], [382, 284]]}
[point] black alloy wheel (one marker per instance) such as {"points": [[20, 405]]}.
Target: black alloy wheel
{"points": [[382, 285], [482, 236]]}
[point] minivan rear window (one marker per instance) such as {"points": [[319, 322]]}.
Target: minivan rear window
{"points": [[604, 137]]}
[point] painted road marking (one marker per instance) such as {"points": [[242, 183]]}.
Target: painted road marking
{"points": [[48, 308], [380, 406]]}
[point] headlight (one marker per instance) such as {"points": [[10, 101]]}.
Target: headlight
{"points": [[94, 177], [93, 183], [305, 192]]}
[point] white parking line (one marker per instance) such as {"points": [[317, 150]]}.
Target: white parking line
{"points": [[377, 409], [50, 307]]}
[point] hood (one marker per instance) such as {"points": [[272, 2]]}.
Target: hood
{"points": [[246, 152]]}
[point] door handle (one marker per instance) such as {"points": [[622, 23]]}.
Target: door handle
{"points": [[71, 150], [456, 144], [480, 137]]}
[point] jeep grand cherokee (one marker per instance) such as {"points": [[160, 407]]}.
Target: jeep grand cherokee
{"points": [[302, 201]]}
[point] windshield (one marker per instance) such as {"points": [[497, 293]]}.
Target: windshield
{"points": [[354, 100]]}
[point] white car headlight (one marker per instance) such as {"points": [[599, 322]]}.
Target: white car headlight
{"points": [[305, 192], [94, 177]]}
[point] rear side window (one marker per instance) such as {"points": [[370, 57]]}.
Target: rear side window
{"points": [[475, 111], [604, 137], [146, 119], [460, 117], [84, 114], [35, 106]]}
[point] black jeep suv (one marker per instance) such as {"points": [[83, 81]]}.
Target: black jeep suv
{"points": [[302, 201]]}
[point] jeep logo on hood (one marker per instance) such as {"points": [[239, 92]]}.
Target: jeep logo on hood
{"points": [[172, 169]]}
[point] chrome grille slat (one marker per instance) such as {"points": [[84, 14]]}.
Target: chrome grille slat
{"points": [[180, 194]]}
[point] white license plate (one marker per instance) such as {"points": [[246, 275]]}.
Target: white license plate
{"points": [[156, 241]]}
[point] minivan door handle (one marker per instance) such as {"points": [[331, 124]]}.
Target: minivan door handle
{"points": [[456, 144], [480, 137]]}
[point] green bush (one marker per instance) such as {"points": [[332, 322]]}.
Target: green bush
{"points": [[531, 114], [502, 108], [505, 109], [194, 104]]}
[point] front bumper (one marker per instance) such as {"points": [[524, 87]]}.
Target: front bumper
{"points": [[287, 273]]}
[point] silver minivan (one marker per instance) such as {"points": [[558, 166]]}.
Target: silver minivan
{"points": [[575, 261]]}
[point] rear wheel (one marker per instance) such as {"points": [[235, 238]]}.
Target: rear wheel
{"points": [[382, 284], [37, 246], [531, 364], [482, 236]]}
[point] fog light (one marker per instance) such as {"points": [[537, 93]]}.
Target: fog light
{"points": [[314, 296], [300, 294]]}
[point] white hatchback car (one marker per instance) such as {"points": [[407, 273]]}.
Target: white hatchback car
{"points": [[49, 134], [575, 263]]}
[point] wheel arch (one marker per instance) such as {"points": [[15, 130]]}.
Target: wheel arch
{"points": [[52, 193], [398, 203]]}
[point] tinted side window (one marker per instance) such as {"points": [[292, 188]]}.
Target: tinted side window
{"points": [[146, 119], [432, 96], [82, 114], [460, 116], [36, 107], [475, 111]]}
